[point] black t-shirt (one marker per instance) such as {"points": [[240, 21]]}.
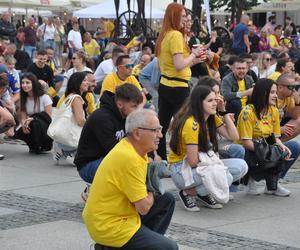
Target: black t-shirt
{"points": [[216, 45], [22, 60], [45, 73], [254, 40]]}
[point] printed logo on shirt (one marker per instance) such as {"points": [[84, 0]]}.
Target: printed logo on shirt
{"points": [[120, 134], [195, 125]]}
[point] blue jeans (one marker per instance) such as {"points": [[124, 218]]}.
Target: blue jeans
{"points": [[294, 146], [49, 43], [235, 151], [30, 50], [237, 168], [87, 173]]}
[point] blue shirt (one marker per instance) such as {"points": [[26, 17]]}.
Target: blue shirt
{"points": [[238, 36], [150, 73]]}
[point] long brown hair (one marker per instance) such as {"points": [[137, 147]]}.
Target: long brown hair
{"points": [[171, 22], [193, 106]]}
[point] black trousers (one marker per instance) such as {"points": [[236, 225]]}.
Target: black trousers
{"points": [[170, 101]]}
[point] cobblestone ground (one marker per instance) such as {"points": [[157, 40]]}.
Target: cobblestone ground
{"points": [[33, 210]]}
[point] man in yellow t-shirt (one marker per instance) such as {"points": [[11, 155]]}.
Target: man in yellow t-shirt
{"points": [[288, 103], [119, 195], [145, 59], [123, 75]]}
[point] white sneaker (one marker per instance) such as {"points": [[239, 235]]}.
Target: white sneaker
{"points": [[252, 188], [280, 191]]}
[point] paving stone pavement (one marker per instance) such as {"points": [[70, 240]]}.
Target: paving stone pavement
{"points": [[35, 210]]}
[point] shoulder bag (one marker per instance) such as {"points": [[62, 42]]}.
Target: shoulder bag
{"points": [[63, 128]]}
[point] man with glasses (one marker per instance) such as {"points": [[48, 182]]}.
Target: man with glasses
{"points": [[104, 129], [122, 75], [236, 87], [120, 211], [288, 103]]}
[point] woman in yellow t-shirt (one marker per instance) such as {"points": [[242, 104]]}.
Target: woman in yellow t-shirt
{"points": [[175, 59], [193, 131], [260, 120]]}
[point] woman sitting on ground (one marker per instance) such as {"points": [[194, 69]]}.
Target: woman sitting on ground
{"points": [[77, 85], [35, 105], [79, 63], [261, 120], [193, 131]]}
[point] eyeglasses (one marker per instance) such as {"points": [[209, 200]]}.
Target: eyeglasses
{"points": [[155, 130], [268, 59], [128, 66]]}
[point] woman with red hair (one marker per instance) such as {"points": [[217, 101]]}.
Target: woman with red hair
{"points": [[175, 60]]}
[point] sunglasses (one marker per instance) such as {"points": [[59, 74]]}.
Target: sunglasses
{"points": [[128, 66], [74, 58], [268, 59], [290, 87]]}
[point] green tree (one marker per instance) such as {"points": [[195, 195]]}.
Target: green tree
{"points": [[236, 7]]}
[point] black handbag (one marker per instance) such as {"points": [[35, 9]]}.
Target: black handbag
{"points": [[267, 154]]}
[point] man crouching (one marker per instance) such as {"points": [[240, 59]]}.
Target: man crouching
{"points": [[119, 212]]}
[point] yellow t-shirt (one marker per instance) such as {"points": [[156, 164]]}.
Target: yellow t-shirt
{"points": [[109, 27], [242, 87], [109, 214], [273, 41], [112, 81], [90, 48], [274, 76], [250, 127], [136, 70], [189, 136], [285, 105], [173, 43]]}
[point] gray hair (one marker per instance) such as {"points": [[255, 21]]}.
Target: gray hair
{"points": [[138, 118]]}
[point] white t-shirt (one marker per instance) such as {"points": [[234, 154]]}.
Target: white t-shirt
{"points": [[106, 67], [49, 32], [75, 37], [265, 73], [45, 100], [73, 70]]}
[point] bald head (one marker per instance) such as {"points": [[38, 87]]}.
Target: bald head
{"points": [[245, 19], [286, 79], [145, 59]]}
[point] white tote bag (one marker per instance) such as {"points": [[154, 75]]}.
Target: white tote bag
{"points": [[63, 128]]}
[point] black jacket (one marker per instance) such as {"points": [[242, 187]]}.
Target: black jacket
{"points": [[101, 132]]}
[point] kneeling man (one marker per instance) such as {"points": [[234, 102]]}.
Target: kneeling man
{"points": [[119, 212]]}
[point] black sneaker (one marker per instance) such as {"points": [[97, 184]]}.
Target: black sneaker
{"points": [[209, 201], [189, 202]]}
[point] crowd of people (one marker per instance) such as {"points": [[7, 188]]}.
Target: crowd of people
{"points": [[172, 106]]}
